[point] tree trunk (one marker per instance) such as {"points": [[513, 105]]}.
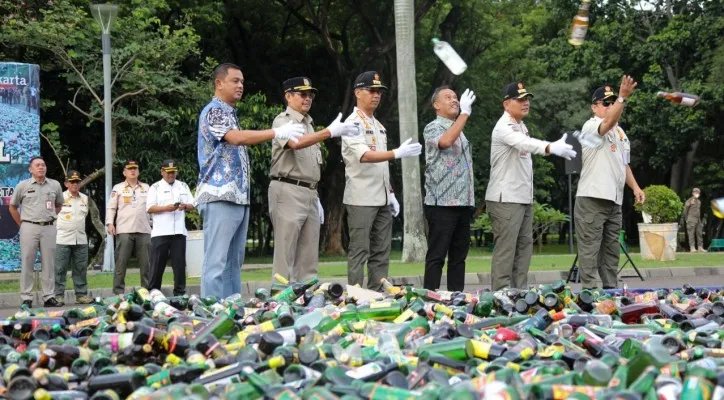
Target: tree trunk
{"points": [[333, 180], [100, 228], [414, 242]]}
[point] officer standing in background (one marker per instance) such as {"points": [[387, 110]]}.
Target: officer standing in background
{"points": [[509, 198], [294, 207], [40, 200], [449, 188], [128, 221], [168, 200], [694, 225], [605, 171], [368, 196], [72, 242]]}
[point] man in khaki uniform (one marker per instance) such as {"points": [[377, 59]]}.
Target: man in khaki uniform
{"points": [[368, 195], [509, 197], [127, 220], [294, 207], [40, 199], [692, 218], [605, 171], [72, 242]]}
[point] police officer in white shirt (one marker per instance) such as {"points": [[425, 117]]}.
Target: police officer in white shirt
{"points": [[605, 172], [168, 200], [509, 198]]}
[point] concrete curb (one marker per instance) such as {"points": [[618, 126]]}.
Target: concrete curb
{"points": [[477, 280]]}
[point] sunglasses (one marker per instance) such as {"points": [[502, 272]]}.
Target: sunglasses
{"points": [[607, 103], [304, 95]]}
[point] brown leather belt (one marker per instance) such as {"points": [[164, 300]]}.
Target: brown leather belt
{"points": [[295, 182]]}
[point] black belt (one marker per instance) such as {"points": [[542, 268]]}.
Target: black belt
{"points": [[41, 223], [295, 182]]}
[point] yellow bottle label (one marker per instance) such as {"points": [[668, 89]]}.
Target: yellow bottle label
{"points": [[407, 314]]}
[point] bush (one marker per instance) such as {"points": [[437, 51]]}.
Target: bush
{"points": [[662, 204]]}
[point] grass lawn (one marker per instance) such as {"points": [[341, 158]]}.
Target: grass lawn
{"points": [[336, 267]]}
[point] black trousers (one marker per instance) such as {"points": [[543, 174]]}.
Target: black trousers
{"points": [[448, 235], [161, 246]]}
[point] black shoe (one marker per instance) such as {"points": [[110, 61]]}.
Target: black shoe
{"points": [[52, 302], [28, 303]]}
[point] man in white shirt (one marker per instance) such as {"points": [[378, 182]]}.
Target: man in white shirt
{"points": [[597, 213], [168, 200], [509, 198], [71, 242]]}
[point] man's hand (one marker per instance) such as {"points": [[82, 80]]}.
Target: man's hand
{"points": [[111, 229], [562, 149], [290, 131], [466, 102], [627, 86], [408, 149], [338, 128], [394, 204], [640, 196]]}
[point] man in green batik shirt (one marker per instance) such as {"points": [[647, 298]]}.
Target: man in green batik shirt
{"points": [[449, 188]]}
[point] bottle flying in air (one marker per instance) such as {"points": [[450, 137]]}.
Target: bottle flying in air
{"points": [[449, 56], [685, 99], [579, 27]]}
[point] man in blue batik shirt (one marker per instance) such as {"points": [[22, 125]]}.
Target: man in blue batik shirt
{"points": [[222, 193]]}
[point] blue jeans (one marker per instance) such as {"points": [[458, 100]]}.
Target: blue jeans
{"points": [[225, 228]]}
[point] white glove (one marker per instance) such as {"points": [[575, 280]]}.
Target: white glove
{"points": [[320, 210], [338, 128], [562, 149], [291, 131], [466, 102], [408, 149], [394, 205]]}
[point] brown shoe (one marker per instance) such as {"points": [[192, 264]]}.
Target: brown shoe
{"points": [[83, 300]]}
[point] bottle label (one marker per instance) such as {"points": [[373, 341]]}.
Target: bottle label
{"points": [[364, 371], [578, 32], [687, 101]]}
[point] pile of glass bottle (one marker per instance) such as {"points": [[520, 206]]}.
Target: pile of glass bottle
{"points": [[309, 340]]}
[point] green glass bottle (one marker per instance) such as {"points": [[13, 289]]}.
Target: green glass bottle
{"points": [[222, 324], [698, 384], [295, 290], [455, 349]]}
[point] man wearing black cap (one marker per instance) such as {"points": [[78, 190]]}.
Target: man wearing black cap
{"points": [[509, 198], [127, 220], [294, 207], [72, 242], [168, 200], [368, 196], [605, 172]]}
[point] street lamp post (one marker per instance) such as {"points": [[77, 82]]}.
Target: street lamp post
{"points": [[105, 14]]}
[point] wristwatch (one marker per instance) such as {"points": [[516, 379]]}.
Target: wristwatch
{"points": [[621, 99]]}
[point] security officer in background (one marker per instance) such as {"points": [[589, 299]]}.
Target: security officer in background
{"points": [[294, 207], [605, 172], [40, 200], [128, 221], [509, 198], [168, 200], [692, 218], [72, 242], [368, 196]]}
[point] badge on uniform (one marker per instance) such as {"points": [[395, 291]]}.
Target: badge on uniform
{"points": [[613, 148], [48, 204]]}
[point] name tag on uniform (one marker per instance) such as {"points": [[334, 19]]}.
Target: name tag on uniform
{"points": [[48, 204]]}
